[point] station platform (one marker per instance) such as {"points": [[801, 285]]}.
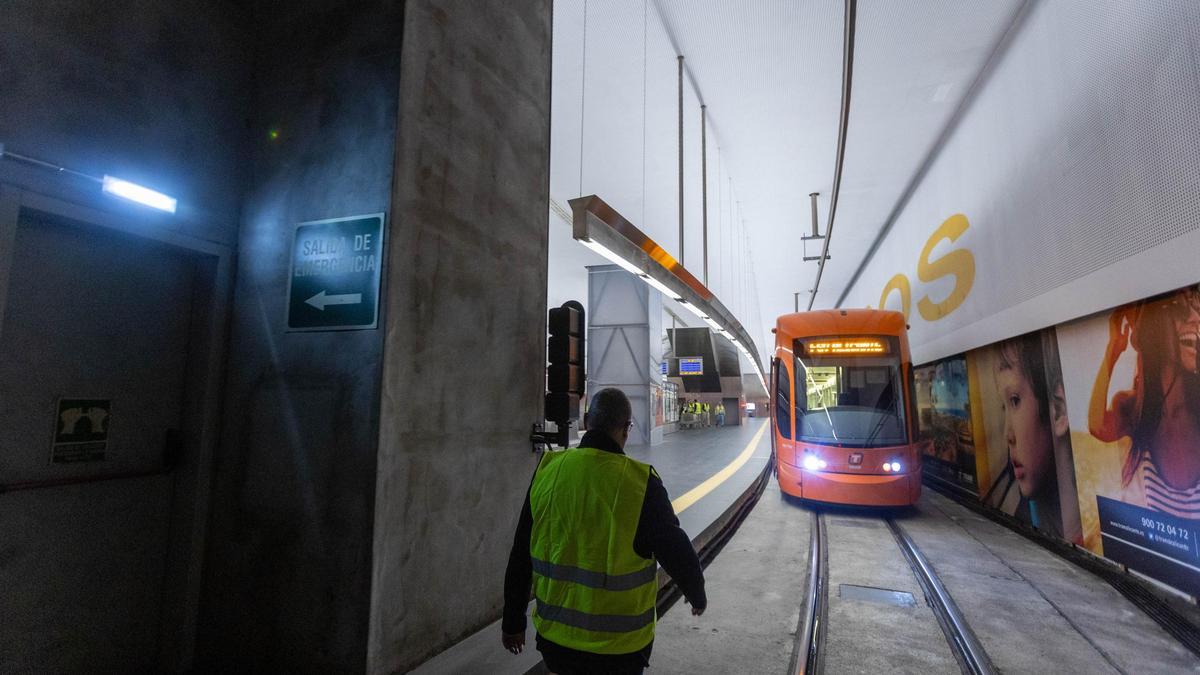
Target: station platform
{"points": [[706, 471]]}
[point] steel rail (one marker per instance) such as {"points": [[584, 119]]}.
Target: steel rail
{"points": [[806, 653], [843, 125], [971, 655]]}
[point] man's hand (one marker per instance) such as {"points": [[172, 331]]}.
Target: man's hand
{"points": [[696, 611], [513, 642]]}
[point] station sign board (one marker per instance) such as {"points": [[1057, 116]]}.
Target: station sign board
{"points": [[335, 274], [691, 365]]}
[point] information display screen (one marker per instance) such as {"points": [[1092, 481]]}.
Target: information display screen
{"points": [[691, 366], [855, 346]]}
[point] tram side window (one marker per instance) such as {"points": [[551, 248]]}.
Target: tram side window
{"points": [[783, 402]]}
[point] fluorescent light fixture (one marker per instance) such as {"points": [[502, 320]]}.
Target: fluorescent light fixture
{"points": [[693, 309], [137, 193], [659, 286], [612, 257]]}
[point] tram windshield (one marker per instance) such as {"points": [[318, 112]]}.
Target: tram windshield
{"points": [[852, 399]]}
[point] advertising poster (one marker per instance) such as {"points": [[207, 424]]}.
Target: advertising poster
{"points": [[1023, 426], [944, 418], [1133, 392]]}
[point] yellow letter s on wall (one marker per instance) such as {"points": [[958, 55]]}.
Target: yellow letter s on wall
{"points": [[897, 283], [958, 262]]}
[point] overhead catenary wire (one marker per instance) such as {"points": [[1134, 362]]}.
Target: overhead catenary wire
{"points": [[645, 69], [582, 93], [843, 124]]}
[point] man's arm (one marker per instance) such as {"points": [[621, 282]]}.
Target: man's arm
{"points": [[519, 575], [660, 535]]}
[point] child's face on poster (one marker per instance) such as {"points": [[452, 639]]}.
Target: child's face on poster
{"points": [[1030, 447]]}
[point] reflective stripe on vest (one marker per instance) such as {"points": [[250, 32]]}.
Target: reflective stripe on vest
{"points": [[616, 582], [594, 592], [604, 623]]}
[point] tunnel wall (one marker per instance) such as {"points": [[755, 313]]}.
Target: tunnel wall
{"points": [[1066, 187], [287, 575], [465, 337], [96, 575], [1047, 265]]}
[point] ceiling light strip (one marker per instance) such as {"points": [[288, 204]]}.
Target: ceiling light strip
{"points": [[600, 228]]}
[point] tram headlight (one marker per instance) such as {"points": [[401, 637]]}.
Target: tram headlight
{"points": [[814, 463], [892, 466]]}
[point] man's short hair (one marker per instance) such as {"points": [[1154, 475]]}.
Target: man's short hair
{"points": [[609, 411]]}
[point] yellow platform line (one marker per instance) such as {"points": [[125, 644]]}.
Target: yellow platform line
{"points": [[700, 491]]}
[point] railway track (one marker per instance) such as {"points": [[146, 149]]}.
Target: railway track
{"points": [[807, 654]]}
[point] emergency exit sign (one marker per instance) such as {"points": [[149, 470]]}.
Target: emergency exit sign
{"points": [[334, 277]]}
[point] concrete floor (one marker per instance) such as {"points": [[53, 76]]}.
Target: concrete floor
{"points": [[755, 588], [684, 460], [1030, 607], [873, 637], [1033, 611]]}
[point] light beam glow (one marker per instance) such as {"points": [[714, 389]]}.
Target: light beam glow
{"points": [[137, 193]]}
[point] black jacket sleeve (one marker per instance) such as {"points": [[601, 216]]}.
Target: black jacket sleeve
{"points": [[519, 576], [659, 535]]}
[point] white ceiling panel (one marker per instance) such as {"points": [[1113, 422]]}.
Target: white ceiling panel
{"points": [[770, 74]]}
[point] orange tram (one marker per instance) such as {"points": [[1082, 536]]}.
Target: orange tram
{"points": [[842, 417]]}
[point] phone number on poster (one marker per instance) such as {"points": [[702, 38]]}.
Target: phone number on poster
{"points": [[1165, 528]]}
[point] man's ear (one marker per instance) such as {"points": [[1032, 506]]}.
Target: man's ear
{"points": [[1058, 411]]}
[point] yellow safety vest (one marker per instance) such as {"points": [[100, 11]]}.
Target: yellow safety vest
{"points": [[592, 592]]}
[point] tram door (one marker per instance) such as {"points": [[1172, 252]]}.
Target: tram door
{"points": [[94, 350]]}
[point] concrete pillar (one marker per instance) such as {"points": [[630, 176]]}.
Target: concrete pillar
{"points": [[624, 329], [465, 332]]}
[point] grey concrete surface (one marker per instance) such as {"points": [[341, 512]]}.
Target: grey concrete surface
{"points": [[153, 92], [81, 568], [755, 589], [871, 637], [158, 93], [289, 558], [1031, 608], [465, 320]]}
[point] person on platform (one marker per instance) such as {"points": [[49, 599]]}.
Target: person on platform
{"points": [[592, 527], [720, 414]]}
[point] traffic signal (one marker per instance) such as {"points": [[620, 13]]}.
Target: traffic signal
{"points": [[566, 374]]}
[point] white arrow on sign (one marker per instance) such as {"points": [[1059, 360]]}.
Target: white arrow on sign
{"points": [[320, 300]]}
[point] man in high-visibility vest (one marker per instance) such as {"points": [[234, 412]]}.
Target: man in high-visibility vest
{"points": [[720, 414], [592, 528]]}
